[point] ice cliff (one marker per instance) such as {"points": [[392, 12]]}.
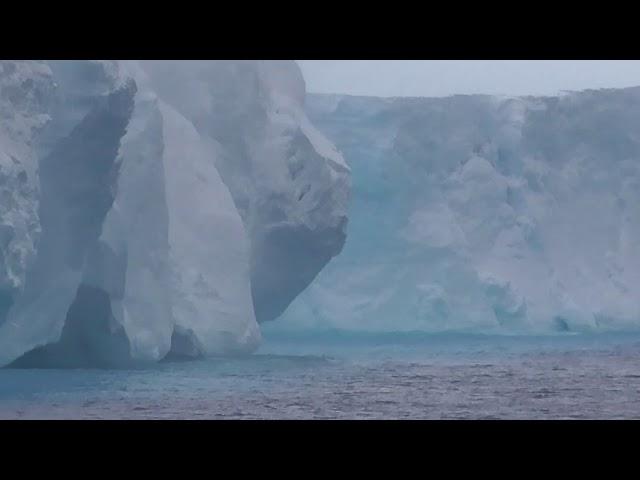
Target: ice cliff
{"points": [[484, 214], [153, 210]]}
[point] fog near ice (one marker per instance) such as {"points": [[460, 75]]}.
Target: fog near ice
{"points": [[437, 78]]}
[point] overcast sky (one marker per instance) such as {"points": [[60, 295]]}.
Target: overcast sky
{"points": [[429, 78]]}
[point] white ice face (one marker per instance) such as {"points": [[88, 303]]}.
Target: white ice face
{"points": [[484, 214], [289, 184], [167, 208], [153, 205]]}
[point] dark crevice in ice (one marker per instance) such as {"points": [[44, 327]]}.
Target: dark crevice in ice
{"points": [[561, 324], [77, 183], [90, 338], [184, 346], [6, 301]]}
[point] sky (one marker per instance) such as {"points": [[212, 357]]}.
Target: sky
{"points": [[436, 78]]}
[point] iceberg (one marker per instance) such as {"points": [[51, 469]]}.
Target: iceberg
{"points": [[483, 214], [151, 211]]}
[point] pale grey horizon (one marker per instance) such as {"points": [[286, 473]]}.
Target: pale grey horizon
{"points": [[436, 78]]}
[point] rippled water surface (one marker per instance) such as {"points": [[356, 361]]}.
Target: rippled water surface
{"points": [[336, 376]]}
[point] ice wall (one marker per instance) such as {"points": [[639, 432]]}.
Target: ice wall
{"points": [[289, 184], [478, 213], [23, 113]]}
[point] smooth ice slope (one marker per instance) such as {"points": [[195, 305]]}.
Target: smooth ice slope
{"points": [[137, 215], [288, 182], [484, 214]]}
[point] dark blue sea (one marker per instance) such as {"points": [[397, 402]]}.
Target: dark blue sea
{"points": [[341, 375]]}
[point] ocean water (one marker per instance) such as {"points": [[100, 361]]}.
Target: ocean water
{"points": [[335, 375]]}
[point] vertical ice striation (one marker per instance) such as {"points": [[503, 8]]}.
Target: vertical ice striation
{"points": [[484, 214]]}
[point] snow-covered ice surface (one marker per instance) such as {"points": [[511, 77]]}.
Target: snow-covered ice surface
{"points": [[157, 208], [483, 214]]}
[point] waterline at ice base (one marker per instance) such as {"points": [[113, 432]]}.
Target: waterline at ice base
{"points": [[165, 210]]}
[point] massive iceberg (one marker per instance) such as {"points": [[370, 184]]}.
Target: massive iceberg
{"points": [[153, 210], [483, 214]]}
